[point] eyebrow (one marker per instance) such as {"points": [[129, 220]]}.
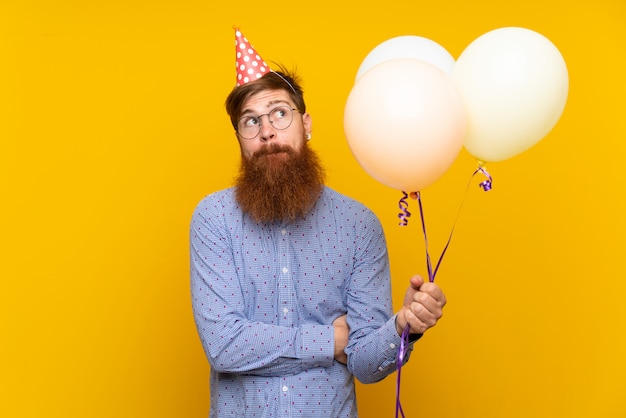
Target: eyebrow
{"points": [[270, 104]]}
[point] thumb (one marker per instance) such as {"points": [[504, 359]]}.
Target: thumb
{"points": [[414, 285], [416, 281]]}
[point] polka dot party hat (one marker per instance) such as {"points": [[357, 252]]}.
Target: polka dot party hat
{"points": [[250, 65]]}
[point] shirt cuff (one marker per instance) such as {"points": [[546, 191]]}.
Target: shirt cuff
{"points": [[317, 347]]}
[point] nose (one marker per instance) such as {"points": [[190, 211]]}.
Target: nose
{"points": [[267, 131]]}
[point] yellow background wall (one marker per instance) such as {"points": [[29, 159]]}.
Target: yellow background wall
{"points": [[112, 128]]}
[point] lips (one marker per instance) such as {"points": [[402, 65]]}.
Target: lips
{"points": [[273, 149]]}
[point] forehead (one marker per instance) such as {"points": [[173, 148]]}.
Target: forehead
{"points": [[264, 100]]}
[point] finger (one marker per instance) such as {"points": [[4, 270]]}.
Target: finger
{"points": [[432, 306], [434, 291], [426, 315], [428, 301], [417, 325]]}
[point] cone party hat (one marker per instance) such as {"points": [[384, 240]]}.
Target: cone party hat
{"points": [[250, 65]]}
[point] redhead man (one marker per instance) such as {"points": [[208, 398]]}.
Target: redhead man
{"points": [[290, 280]]}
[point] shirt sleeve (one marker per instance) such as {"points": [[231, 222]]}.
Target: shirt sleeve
{"points": [[232, 343], [374, 342]]}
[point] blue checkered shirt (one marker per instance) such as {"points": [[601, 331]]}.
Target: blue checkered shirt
{"points": [[265, 296]]}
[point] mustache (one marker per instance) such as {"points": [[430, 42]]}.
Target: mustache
{"points": [[273, 149]]}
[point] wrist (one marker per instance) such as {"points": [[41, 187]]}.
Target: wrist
{"points": [[412, 337], [399, 326]]}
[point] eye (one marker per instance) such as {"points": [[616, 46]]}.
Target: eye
{"points": [[279, 112], [249, 121]]}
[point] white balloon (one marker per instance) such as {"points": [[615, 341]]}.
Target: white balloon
{"points": [[409, 46], [514, 83], [405, 123]]}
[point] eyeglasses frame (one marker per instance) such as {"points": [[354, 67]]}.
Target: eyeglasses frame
{"points": [[258, 117]]}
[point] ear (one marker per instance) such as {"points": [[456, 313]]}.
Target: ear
{"points": [[307, 123]]}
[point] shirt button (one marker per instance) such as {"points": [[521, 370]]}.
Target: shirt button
{"points": [[285, 270], [283, 231], [285, 388], [392, 345], [285, 310]]}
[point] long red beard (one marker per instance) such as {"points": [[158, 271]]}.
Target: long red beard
{"points": [[279, 187]]}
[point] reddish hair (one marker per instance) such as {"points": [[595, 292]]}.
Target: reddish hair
{"points": [[274, 80]]}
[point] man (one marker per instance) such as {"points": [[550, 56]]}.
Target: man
{"points": [[290, 279]]}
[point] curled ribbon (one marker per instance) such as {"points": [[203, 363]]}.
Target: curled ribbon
{"points": [[404, 215], [486, 184]]}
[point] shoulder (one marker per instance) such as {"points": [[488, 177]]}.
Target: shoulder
{"points": [[220, 203], [347, 207]]}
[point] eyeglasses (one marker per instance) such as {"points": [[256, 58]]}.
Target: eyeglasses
{"points": [[280, 117]]}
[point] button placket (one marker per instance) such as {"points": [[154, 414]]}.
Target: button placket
{"points": [[285, 282]]}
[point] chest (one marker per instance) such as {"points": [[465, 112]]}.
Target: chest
{"points": [[293, 274]]}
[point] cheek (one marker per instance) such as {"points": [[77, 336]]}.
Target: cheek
{"points": [[248, 148], [299, 144]]}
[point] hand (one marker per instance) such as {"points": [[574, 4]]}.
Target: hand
{"points": [[422, 307], [342, 331]]}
